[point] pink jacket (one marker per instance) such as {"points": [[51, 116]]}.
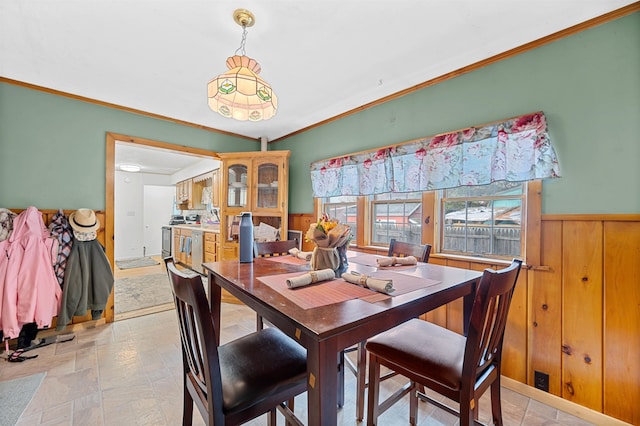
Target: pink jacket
{"points": [[29, 290]]}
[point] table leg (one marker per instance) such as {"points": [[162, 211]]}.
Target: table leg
{"points": [[215, 299], [361, 377], [322, 384]]}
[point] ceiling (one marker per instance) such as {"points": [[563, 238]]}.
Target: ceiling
{"points": [[156, 160], [322, 58]]}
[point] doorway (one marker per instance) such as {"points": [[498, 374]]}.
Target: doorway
{"points": [[152, 217]]}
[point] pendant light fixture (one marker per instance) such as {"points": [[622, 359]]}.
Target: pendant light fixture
{"points": [[240, 93]]}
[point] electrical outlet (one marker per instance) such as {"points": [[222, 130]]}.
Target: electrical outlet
{"points": [[541, 380]]}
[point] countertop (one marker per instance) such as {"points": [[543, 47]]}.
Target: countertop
{"points": [[204, 227]]}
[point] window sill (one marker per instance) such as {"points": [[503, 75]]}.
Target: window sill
{"points": [[482, 260]]}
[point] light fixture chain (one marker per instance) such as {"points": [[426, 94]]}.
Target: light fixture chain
{"points": [[243, 41]]}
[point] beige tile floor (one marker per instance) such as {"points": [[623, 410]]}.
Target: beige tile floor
{"points": [[128, 373]]}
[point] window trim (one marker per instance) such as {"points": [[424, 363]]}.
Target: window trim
{"points": [[441, 199], [532, 217], [371, 205]]}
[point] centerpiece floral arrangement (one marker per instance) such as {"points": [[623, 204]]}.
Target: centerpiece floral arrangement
{"points": [[331, 239]]}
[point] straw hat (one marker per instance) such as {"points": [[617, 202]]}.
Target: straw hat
{"points": [[84, 220]]}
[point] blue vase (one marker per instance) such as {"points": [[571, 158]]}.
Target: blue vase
{"points": [[246, 238]]}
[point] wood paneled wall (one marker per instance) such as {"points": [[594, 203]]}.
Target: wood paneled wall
{"points": [[575, 317], [584, 326]]}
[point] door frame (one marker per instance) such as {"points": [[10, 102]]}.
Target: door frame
{"points": [[109, 231]]}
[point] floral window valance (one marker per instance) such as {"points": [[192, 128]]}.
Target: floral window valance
{"points": [[513, 150]]}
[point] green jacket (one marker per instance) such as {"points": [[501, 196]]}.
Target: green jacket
{"points": [[88, 280]]}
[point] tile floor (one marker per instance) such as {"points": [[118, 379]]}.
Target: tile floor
{"points": [[128, 373]]}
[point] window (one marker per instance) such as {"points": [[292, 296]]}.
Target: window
{"points": [[396, 215], [483, 221], [487, 221], [345, 210]]}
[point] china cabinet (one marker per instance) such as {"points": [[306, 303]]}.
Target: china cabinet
{"points": [[255, 182]]}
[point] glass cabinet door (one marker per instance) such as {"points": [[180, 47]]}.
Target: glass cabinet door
{"points": [[267, 191], [237, 180]]}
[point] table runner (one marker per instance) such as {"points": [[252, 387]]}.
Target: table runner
{"points": [[292, 260], [364, 259], [402, 283], [338, 290], [372, 260], [319, 294]]}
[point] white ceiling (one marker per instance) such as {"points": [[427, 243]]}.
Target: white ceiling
{"points": [[322, 58], [158, 161]]}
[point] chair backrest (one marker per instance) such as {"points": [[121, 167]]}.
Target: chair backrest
{"points": [[400, 249], [273, 248], [488, 320], [199, 344]]}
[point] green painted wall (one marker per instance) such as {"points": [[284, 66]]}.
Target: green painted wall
{"points": [[588, 86], [53, 152], [52, 149]]}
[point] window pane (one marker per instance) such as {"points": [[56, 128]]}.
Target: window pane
{"points": [[345, 210], [398, 196], [485, 223], [401, 220], [496, 188]]}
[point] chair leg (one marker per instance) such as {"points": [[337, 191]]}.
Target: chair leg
{"points": [[259, 322], [272, 418], [466, 411], [374, 390], [361, 378], [291, 405], [413, 404], [340, 390], [496, 404], [187, 407]]}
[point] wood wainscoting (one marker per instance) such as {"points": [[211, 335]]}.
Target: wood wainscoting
{"points": [[574, 317]]}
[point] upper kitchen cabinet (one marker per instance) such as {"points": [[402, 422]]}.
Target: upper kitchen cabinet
{"points": [[255, 182], [215, 188], [189, 192], [182, 192]]}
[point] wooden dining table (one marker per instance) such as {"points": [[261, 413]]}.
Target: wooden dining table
{"points": [[328, 317]]}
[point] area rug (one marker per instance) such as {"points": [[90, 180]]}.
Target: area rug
{"points": [[15, 395], [134, 293], [136, 263]]}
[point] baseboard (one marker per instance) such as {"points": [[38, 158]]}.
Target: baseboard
{"points": [[144, 311], [561, 404]]}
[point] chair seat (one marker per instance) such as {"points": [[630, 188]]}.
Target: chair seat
{"points": [[442, 357], [282, 364]]}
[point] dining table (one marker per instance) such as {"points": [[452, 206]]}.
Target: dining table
{"points": [[329, 316]]}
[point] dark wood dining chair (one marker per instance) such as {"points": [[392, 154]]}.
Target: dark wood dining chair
{"points": [[273, 248], [358, 368], [402, 249], [458, 367], [240, 380], [270, 249]]}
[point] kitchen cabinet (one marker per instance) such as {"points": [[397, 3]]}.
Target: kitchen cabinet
{"points": [[210, 247], [182, 246], [215, 188], [182, 194], [189, 194], [255, 182]]}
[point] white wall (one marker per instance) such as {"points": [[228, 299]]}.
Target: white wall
{"points": [[203, 166], [129, 220], [129, 211]]}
